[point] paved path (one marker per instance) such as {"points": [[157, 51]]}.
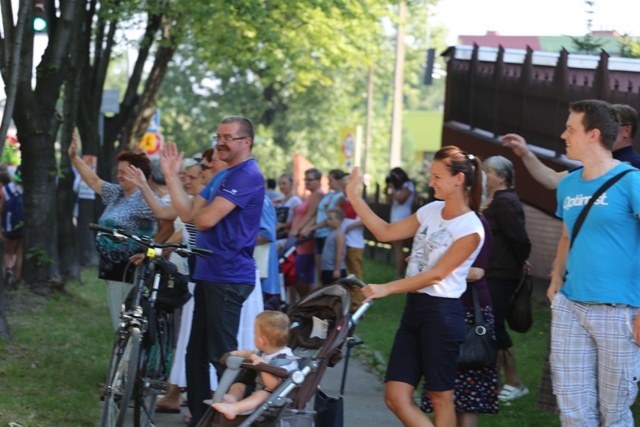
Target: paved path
{"points": [[363, 401]]}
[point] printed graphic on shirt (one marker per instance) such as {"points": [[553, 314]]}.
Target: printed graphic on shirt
{"points": [[582, 200], [428, 249]]}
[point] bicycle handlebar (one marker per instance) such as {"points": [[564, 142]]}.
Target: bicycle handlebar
{"points": [[180, 248]]}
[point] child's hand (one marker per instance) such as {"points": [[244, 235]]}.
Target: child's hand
{"points": [[256, 360]]}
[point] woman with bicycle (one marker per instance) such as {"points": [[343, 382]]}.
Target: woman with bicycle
{"points": [[125, 209]]}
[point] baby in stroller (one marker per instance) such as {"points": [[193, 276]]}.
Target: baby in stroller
{"points": [[271, 334]]}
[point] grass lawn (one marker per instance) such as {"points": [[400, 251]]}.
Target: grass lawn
{"points": [[50, 371], [378, 327]]}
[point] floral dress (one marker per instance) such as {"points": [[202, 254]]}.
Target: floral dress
{"points": [[131, 214]]}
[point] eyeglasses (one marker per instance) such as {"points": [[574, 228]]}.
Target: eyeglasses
{"points": [[228, 138]]}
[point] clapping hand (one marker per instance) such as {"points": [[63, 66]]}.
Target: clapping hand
{"points": [[170, 159]]}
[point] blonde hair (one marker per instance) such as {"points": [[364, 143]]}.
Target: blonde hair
{"points": [[274, 327]]}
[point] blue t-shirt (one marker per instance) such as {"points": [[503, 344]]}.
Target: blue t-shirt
{"points": [[232, 240], [329, 201], [268, 221], [329, 252], [209, 191], [602, 265]]}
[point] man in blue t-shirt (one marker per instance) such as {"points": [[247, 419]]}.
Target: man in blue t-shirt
{"points": [[595, 284], [227, 217], [622, 149]]}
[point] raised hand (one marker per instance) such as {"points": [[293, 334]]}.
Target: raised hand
{"points": [[354, 183], [516, 143], [170, 159], [135, 176], [73, 147]]}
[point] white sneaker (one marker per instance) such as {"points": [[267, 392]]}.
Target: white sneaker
{"points": [[509, 392]]}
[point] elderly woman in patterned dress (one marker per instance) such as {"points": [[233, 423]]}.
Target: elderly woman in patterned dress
{"points": [[125, 209]]}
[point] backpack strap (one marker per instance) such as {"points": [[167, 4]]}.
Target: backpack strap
{"points": [[592, 200]]}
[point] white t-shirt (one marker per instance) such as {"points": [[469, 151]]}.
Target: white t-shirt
{"points": [[286, 351], [433, 239], [403, 210], [354, 237]]}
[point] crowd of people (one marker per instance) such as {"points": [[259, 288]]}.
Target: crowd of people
{"points": [[471, 242]]}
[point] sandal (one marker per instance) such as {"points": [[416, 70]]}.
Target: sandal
{"points": [[186, 418], [509, 392]]}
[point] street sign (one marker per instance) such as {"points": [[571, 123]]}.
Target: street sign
{"points": [[110, 101], [151, 142]]}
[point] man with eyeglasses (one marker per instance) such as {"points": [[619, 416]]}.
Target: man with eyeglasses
{"points": [[549, 178], [227, 216]]}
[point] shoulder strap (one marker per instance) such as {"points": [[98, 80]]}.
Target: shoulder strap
{"points": [[477, 314], [596, 195]]}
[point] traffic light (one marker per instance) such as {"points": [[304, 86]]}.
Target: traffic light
{"points": [[39, 19]]}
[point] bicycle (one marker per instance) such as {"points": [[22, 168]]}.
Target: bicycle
{"points": [[142, 351]]}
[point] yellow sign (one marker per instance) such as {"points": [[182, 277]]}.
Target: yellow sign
{"points": [[148, 142], [151, 142]]}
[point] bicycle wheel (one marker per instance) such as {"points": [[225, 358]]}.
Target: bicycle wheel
{"points": [[155, 366], [122, 374]]}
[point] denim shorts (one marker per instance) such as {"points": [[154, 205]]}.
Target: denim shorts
{"points": [[427, 342]]}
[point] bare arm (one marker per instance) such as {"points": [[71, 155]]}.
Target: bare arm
{"points": [[137, 178], [542, 173], [402, 195], [90, 177], [310, 215], [559, 265], [211, 214], [339, 249], [171, 161], [475, 274], [382, 230], [459, 251]]}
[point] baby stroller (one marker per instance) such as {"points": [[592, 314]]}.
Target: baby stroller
{"points": [[288, 404]]}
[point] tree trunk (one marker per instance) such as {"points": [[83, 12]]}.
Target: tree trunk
{"points": [[39, 178], [12, 82]]}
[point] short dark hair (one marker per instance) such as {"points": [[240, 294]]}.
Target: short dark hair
{"points": [[598, 115], [139, 160], [336, 174], [317, 174], [245, 126], [208, 154], [628, 117], [271, 183]]}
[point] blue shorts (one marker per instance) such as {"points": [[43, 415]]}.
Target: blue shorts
{"points": [[306, 269], [320, 244], [427, 342]]}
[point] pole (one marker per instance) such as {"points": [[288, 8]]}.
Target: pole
{"points": [[395, 147]]}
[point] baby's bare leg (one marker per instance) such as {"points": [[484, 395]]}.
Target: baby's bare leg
{"points": [[231, 410]]}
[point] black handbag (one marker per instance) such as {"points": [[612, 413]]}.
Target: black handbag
{"points": [[479, 347], [520, 313]]}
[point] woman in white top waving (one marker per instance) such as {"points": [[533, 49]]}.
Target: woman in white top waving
{"points": [[447, 237]]}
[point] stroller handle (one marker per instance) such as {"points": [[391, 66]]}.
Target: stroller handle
{"points": [[264, 367], [351, 279]]}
